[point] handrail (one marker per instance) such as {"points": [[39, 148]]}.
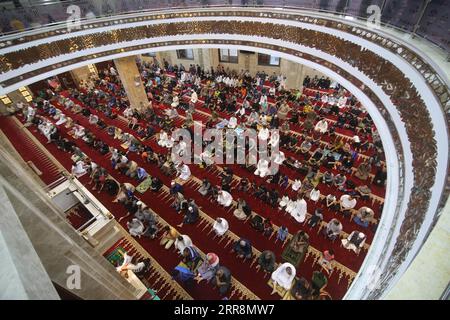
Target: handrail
{"points": [[55, 13]]}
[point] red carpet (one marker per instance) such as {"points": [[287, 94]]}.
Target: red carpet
{"points": [[244, 272]]}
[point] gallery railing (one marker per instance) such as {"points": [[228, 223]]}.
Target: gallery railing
{"points": [[422, 18]]}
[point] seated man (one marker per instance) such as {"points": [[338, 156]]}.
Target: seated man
{"points": [[79, 169], [266, 261], [339, 180], [205, 188], [297, 248], [208, 268], [186, 268], [93, 119], [297, 209], [318, 282], [279, 157], [257, 223], [316, 157], [169, 236], [222, 280], [220, 226], [282, 233], [314, 195], [190, 216], [262, 168], [156, 184], [355, 241], [135, 227], [183, 172], [283, 276], [132, 167], [242, 210], [326, 261], [232, 123], [224, 198], [347, 202], [306, 146], [333, 229], [183, 241], [316, 218], [62, 119], [301, 290], [364, 216], [364, 192], [243, 248], [78, 131], [321, 126]]}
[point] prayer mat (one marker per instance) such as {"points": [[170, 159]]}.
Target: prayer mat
{"points": [[144, 185], [280, 290], [116, 256]]}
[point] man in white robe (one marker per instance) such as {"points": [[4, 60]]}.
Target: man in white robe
{"points": [[314, 194], [135, 227], [79, 169], [182, 242], [175, 102], [220, 226], [232, 123], [183, 171], [224, 198], [164, 140], [262, 168], [274, 138], [321, 126], [299, 209], [62, 119], [263, 134], [31, 112], [194, 97], [283, 276], [279, 157], [297, 184], [78, 131]]}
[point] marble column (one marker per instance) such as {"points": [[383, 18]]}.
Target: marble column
{"points": [[293, 72], [131, 80]]}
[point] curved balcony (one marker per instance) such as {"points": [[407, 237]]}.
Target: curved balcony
{"points": [[406, 94], [420, 18]]}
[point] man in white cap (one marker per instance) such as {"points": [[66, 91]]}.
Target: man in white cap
{"points": [[182, 242], [190, 216]]}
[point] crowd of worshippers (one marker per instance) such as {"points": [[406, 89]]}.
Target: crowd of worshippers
{"points": [[144, 223]]}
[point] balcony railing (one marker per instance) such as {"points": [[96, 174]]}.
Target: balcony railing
{"points": [[424, 18]]}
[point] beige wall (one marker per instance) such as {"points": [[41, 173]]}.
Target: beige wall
{"points": [[81, 74], [206, 58], [14, 96], [428, 275]]}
